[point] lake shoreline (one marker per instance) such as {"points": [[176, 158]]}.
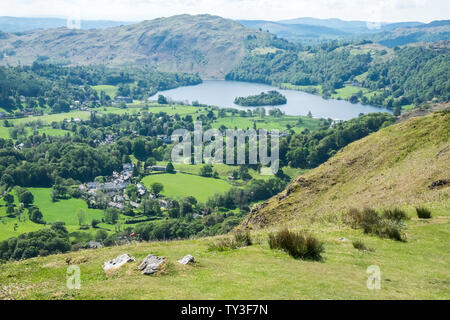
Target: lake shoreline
{"points": [[221, 93]]}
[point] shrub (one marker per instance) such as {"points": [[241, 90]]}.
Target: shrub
{"points": [[297, 244], [223, 244], [395, 214], [423, 213], [390, 229], [243, 238], [390, 225], [358, 244], [353, 218]]}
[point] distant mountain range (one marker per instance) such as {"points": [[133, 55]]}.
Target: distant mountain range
{"points": [[300, 30], [204, 44], [312, 30], [14, 24]]}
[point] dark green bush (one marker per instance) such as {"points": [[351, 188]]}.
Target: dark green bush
{"points": [[297, 244], [423, 213], [390, 225], [395, 214]]}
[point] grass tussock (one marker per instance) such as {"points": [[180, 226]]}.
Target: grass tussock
{"points": [[423, 213], [389, 225], [240, 239], [297, 244], [359, 245]]}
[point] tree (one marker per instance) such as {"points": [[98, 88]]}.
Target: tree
{"points": [[35, 215], [25, 196], [206, 170], [170, 168], [157, 188], [101, 235], [111, 215], [9, 198], [7, 180], [139, 148], [81, 216], [95, 223], [150, 207], [162, 99], [131, 190]]}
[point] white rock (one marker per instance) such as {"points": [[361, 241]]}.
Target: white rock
{"points": [[187, 259], [150, 264], [118, 262]]}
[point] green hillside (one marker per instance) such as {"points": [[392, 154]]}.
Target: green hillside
{"points": [[206, 44], [392, 167]]}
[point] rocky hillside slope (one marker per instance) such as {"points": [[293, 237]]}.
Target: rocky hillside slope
{"points": [[205, 44], [403, 164]]}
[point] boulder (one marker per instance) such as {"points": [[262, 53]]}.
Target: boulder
{"points": [[118, 262], [151, 264], [186, 259]]}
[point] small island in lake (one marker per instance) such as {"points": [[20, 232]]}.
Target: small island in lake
{"points": [[271, 98]]}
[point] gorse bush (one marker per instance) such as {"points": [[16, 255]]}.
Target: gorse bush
{"points": [[423, 213], [389, 225], [243, 238], [395, 214], [297, 244]]}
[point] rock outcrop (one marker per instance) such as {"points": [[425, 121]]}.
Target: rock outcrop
{"points": [[118, 262], [187, 259], [151, 264]]}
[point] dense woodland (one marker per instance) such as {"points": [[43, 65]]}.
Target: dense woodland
{"points": [[58, 87], [410, 75]]}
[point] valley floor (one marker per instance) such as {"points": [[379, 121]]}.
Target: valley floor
{"points": [[416, 269]]}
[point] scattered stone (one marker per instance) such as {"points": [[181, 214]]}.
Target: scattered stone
{"points": [[344, 239], [187, 259], [151, 264], [439, 183], [118, 262]]}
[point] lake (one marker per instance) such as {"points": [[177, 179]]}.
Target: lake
{"points": [[222, 93]]}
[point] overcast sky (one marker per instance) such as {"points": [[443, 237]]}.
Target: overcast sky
{"points": [[136, 10]]}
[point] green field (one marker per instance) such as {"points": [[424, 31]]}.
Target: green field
{"points": [[182, 185], [62, 210], [57, 117], [107, 89], [267, 123]]}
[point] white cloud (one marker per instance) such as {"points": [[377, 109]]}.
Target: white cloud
{"points": [[384, 10]]}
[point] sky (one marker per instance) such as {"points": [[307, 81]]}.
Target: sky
{"points": [[137, 10]]}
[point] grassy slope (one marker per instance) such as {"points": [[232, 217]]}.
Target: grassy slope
{"points": [[392, 167], [417, 269]]}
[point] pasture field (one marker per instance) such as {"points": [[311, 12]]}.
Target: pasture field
{"points": [[268, 123], [181, 185], [62, 210], [107, 89]]}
